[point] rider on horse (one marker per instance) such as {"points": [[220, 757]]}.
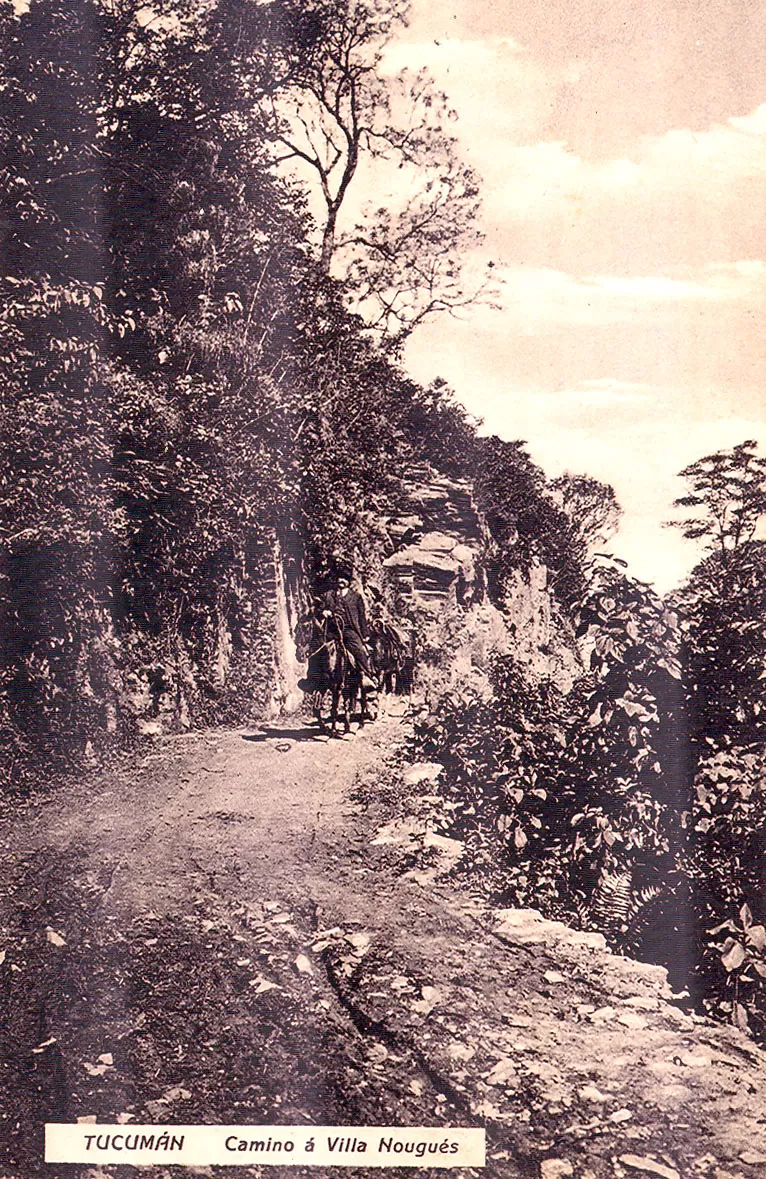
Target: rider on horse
{"points": [[347, 605]]}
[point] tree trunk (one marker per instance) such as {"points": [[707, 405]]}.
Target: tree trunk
{"points": [[334, 204], [328, 241]]}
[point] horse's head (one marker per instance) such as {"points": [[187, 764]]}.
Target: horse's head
{"points": [[332, 625], [326, 643]]}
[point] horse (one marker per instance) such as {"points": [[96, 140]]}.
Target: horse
{"points": [[331, 669], [388, 655]]}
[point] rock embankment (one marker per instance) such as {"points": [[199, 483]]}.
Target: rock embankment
{"points": [[436, 579], [440, 536]]}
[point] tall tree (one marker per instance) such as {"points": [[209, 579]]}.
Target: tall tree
{"points": [[728, 491], [403, 264], [591, 507], [723, 608], [722, 603]]}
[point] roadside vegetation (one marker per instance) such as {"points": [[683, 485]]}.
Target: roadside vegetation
{"points": [[634, 803]]}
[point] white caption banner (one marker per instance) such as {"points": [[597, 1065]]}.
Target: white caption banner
{"points": [[320, 1146]]}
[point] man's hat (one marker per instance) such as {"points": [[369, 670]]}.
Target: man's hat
{"points": [[344, 569]]}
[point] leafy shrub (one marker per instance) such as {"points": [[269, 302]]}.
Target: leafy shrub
{"points": [[723, 608], [556, 792], [726, 865], [742, 955], [502, 790]]}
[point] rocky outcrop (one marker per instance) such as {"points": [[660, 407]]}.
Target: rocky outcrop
{"points": [[439, 539], [286, 696], [434, 586], [435, 577], [541, 637]]}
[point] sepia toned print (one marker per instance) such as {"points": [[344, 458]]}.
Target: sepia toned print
{"points": [[383, 589]]}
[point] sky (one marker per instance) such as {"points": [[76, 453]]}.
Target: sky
{"points": [[622, 145]]}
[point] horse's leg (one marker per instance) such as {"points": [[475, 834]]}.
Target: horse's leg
{"points": [[318, 712], [359, 697], [365, 696], [335, 698], [349, 695]]}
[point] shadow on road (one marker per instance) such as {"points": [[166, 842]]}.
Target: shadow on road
{"points": [[303, 734]]}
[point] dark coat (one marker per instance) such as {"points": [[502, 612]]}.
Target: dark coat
{"points": [[350, 606]]}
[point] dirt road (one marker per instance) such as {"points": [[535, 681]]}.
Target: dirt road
{"points": [[211, 936], [233, 814]]}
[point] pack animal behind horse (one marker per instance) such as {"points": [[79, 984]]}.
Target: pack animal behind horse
{"points": [[388, 655]]}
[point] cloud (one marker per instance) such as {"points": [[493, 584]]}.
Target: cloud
{"points": [[499, 91], [609, 391], [548, 178], [722, 153], [755, 124], [717, 282], [545, 178], [557, 194], [542, 299], [561, 187], [634, 437], [633, 69], [447, 54], [623, 149], [537, 125]]}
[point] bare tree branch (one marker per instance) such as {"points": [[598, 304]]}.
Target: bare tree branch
{"points": [[402, 265]]}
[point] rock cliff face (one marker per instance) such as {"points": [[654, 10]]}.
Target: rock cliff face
{"points": [[435, 577], [541, 637], [286, 696], [440, 537]]}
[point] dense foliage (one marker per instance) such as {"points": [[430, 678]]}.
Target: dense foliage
{"points": [[636, 801], [573, 784], [724, 609]]}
